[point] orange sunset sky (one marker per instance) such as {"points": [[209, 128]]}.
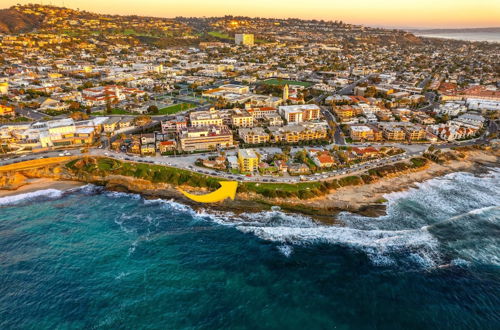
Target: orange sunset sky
{"points": [[387, 13]]}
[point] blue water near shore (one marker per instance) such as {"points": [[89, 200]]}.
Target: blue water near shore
{"points": [[89, 258]]}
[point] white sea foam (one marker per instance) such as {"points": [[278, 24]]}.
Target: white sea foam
{"points": [[285, 249], [39, 194], [380, 246]]}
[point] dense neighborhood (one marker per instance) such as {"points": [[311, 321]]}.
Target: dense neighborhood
{"points": [[248, 96]]}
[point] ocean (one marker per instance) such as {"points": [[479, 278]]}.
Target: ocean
{"points": [[93, 259], [466, 36]]}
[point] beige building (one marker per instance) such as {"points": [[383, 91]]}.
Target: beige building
{"points": [[241, 118], [254, 135], [244, 39], [205, 138], [205, 118]]}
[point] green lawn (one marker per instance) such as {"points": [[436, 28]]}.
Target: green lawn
{"points": [[294, 187], [115, 111], [282, 82], [175, 108], [219, 35]]}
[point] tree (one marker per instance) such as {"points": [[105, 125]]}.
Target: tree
{"points": [[153, 109], [108, 106]]}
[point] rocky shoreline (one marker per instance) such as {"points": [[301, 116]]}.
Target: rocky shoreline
{"points": [[366, 199]]}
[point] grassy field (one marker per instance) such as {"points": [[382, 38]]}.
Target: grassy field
{"points": [[295, 187], [115, 111], [220, 35], [175, 108], [282, 82]]}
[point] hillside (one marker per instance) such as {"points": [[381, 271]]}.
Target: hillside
{"points": [[14, 21]]}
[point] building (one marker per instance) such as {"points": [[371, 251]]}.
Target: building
{"points": [[323, 160], [415, 133], [254, 135], [205, 138], [6, 111], [260, 113], [248, 160], [244, 39], [175, 125], [241, 118], [286, 92], [364, 132], [299, 113], [205, 118], [111, 124], [345, 112], [4, 88], [298, 133], [394, 133]]}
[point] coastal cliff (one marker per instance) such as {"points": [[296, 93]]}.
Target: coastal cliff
{"points": [[362, 193]]}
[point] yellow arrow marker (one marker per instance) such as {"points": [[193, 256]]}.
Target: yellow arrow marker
{"points": [[227, 190]]}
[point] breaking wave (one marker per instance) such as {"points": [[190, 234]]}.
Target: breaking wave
{"points": [[453, 220], [46, 194], [448, 221]]}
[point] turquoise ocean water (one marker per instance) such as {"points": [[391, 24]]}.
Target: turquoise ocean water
{"points": [[94, 259]]}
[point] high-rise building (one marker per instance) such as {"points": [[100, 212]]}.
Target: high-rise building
{"points": [[244, 39]]}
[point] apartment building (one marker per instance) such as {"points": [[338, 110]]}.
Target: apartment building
{"points": [[365, 132], [6, 111], [394, 133], [205, 118], [298, 133], [415, 133], [299, 113], [205, 138], [254, 135], [248, 160], [241, 118]]}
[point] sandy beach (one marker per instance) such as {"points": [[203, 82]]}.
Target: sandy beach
{"points": [[41, 184]]}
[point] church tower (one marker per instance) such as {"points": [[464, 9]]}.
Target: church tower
{"points": [[285, 92]]}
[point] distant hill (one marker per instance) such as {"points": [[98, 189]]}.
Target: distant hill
{"points": [[464, 30], [13, 21]]}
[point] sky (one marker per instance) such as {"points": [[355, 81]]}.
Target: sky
{"points": [[382, 13]]}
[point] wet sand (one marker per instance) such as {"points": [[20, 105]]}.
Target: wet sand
{"points": [[41, 184]]}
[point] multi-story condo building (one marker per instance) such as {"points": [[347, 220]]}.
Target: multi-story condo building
{"points": [[254, 135], [297, 133], [365, 132], [415, 133], [6, 111], [205, 118], [248, 160], [241, 118], [260, 113], [299, 113], [205, 138], [394, 133]]}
